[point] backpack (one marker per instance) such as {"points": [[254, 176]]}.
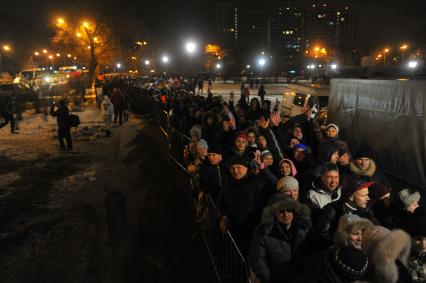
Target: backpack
{"points": [[73, 120]]}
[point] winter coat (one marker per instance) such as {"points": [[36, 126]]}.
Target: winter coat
{"points": [[417, 268], [118, 99], [62, 115], [330, 215], [241, 201], [317, 269], [272, 246], [373, 173], [107, 106], [211, 179], [319, 197]]}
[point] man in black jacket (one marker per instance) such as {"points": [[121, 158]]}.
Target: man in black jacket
{"points": [[241, 202], [64, 129], [354, 201]]}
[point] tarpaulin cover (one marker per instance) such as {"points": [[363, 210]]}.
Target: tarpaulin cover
{"points": [[389, 116]]}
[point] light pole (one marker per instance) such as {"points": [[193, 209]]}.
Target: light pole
{"points": [[262, 63], [5, 48], [403, 48], [386, 50]]}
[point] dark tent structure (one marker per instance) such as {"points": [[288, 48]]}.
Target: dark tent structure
{"points": [[390, 117]]}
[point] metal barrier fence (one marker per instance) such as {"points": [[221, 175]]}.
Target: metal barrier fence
{"points": [[229, 261], [230, 265]]}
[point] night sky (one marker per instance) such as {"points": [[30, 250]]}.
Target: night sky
{"points": [[25, 22]]}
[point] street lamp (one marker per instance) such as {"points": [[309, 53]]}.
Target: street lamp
{"points": [[262, 63], [403, 48], [248, 66], [218, 66], [147, 62], [386, 50], [118, 65], [5, 48], [165, 59], [190, 47]]}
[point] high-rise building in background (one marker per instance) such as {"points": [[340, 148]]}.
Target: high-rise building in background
{"points": [[227, 22], [287, 31], [286, 35]]}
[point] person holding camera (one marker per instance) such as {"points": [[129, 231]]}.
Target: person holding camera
{"points": [[64, 129]]}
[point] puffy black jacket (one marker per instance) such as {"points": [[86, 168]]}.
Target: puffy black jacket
{"points": [[272, 249], [62, 115], [242, 202], [211, 178]]}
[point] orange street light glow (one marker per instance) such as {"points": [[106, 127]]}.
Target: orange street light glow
{"points": [[36, 53], [58, 55], [60, 21], [6, 47], [386, 50], [44, 51]]}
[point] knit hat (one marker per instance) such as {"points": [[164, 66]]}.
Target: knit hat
{"points": [[408, 196], [301, 146], [349, 263], [195, 131], [202, 144], [293, 168], [264, 154], [287, 183], [334, 126], [363, 152], [376, 192], [214, 148], [237, 160], [242, 135], [343, 150]]}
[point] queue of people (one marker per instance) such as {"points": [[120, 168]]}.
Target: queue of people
{"points": [[301, 204]]}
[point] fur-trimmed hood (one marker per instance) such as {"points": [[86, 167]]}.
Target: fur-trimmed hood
{"points": [[349, 224], [280, 202], [367, 172]]}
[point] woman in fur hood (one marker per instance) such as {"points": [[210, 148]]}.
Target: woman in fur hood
{"points": [[387, 250], [285, 223]]}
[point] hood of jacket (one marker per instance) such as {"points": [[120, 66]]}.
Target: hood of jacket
{"points": [[280, 202], [366, 172]]}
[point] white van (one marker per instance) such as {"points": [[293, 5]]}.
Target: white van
{"points": [[27, 76], [296, 97]]}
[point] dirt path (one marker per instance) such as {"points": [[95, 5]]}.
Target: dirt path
{"points": [[51, 205]]}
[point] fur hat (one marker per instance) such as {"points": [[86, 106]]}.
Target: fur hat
{"points": [[348, 224], [293, 168], [383, 247], [408, 196], [202, 144], [334, 126], [287, 183], [280, 202], [349, 263]]}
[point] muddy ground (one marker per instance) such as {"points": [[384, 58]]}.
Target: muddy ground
{"points": [[52, 211]]}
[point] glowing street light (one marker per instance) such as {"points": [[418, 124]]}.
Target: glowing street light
{"points": [[58, 55], [165, 59], [262, 62], [118, 65], [218, 66], [69, 55], [248, 66], [412, 64], [60, 21], [147, 62], [36, 53], [44, 51], [6, 48], [50, 56], [78, 34], [190, 47]]}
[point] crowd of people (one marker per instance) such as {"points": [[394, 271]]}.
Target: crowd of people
{"points": [[302, 205]]}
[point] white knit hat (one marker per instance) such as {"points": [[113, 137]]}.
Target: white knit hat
{"points": [[287, 183], [408, 196]]}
